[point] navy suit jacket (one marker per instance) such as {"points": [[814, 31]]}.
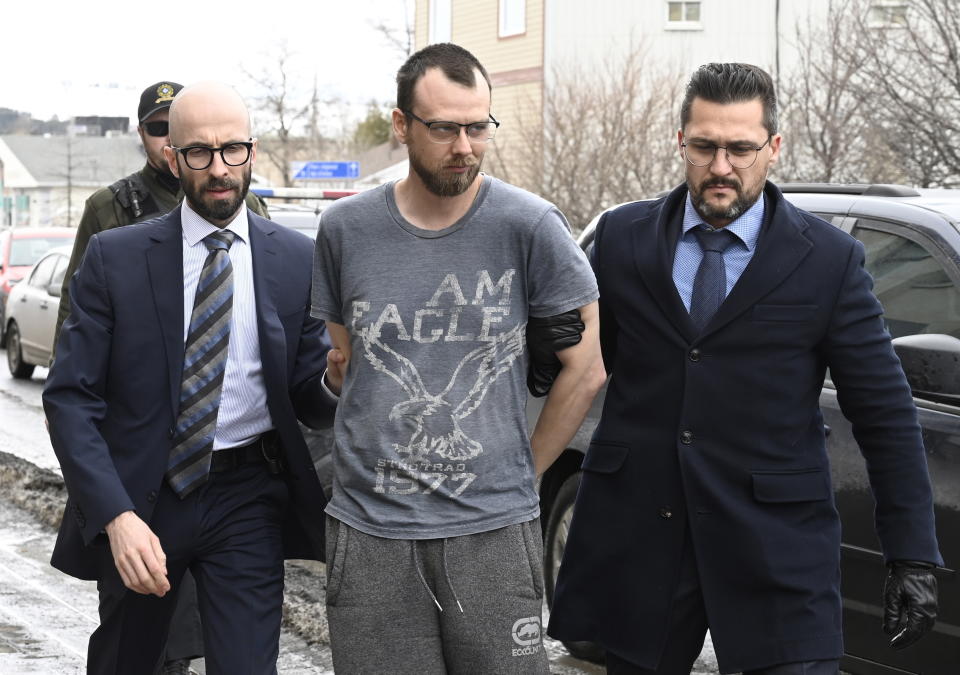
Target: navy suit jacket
{"points": [[721, 433], [112, 395]]}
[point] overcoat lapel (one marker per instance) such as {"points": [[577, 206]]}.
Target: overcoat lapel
{"points": [[781, 247], [165, 268], [655, 238], [266, 289]]}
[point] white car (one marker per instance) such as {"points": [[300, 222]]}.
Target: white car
{"points": [[31, 317], [304, 220]]}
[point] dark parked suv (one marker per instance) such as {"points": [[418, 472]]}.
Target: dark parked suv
{"points": [[912, 241]]}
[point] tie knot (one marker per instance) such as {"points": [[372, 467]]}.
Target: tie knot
{"points": [[714, 240], [219, 241]]}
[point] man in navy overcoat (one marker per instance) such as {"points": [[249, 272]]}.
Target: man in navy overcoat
{"points": [[188, 356], [705, 500]]}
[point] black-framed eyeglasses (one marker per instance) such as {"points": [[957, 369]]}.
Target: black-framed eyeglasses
{"points": [[448, 132], [157, 129], [199, 157], [739, 155]]}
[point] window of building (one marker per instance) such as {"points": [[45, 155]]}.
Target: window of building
{"points": [[887, 15], [440, 21], [683, 16], [513, 17]]}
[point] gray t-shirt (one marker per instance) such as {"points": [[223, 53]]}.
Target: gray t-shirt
{"points": [[431, 430]]}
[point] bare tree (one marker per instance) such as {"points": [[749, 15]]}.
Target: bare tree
{"points": [[73, 160], [908, 77], [289, 118], [400, 39], [605, 136], [282, 107], [827, 133]]}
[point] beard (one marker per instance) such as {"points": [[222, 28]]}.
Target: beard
{"points": [[449, 185], [216, 209], [734, 210]]}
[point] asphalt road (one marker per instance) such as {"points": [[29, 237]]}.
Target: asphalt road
{"points": [[46, 617]]}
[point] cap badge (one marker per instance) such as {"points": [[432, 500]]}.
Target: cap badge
{"points": [[165, 92]]}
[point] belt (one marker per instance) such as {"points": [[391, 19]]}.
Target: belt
{"points": [[230, 458]]}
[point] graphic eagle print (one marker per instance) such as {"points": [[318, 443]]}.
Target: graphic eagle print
{"points": [[436, 417]]}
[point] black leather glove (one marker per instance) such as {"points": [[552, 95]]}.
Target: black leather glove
{"points": [[545, 337], [909, 601]]}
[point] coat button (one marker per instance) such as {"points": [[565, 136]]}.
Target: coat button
{"points": [[686, 437], [170, 432], [694, 355], [666, 513], [152, 496]]}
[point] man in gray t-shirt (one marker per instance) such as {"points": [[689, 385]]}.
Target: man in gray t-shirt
{"points": [[426, 286]]}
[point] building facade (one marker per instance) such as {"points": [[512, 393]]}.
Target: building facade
{"points": [[47, 179], [529, 46]]}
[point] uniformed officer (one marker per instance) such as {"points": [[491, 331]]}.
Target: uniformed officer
{"points": [[150, 192]]}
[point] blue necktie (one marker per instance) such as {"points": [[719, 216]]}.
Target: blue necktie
{"points": [[710, 284], [204, 362]]}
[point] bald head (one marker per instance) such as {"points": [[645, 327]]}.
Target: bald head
{"points": [[206, 110], [210, 150]]}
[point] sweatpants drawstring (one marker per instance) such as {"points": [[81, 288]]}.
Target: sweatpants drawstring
{"points": [[416, 566], [446, 574]]}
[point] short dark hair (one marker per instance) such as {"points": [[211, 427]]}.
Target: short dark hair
{"points": [[457, 65], [732, 83]]}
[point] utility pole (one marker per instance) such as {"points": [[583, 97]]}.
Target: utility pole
{"points": [[69, 178]]}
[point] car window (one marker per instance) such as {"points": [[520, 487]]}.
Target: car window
{"points": [[29, 250], [43, 272], [60, 271], [831, 218], [917, 294]]}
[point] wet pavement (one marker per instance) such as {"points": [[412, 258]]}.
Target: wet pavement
{"points": [[46, 617]]}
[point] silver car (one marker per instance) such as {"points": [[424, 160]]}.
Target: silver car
{"points": [[31, 318]]}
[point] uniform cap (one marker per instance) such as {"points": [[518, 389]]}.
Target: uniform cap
{"points": [[157, 97]]}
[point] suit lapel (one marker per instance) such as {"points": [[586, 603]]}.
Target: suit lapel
{"points": [[781, 247], [655, 239], [165, 267], [266, 289]]}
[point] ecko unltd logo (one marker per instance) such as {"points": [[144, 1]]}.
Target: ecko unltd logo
{"points": [[526, 633]]}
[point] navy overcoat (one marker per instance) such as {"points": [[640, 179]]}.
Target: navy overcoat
{"points": [[721, 433]]}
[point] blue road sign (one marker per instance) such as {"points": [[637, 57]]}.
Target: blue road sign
{"points": [[322, 170]]}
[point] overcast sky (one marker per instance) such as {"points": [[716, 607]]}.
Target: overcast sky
{"points": [[94, 58]]}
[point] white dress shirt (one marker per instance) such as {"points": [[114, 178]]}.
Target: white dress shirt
{"points": [[243, 413]]}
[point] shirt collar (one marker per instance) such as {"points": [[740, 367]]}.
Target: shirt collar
{"points": [[195, 227], [746, 227]]}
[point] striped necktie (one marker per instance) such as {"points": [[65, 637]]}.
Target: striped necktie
{"points": [[204, 362], [710, 284]]}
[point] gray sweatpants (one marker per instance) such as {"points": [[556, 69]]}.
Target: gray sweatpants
{"points": [[469, 604]]}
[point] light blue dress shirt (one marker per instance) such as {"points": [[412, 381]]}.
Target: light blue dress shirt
{"points": [[735, 258]]}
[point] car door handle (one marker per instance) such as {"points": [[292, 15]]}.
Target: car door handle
{"points": [[43, 305], [23, 298]]}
